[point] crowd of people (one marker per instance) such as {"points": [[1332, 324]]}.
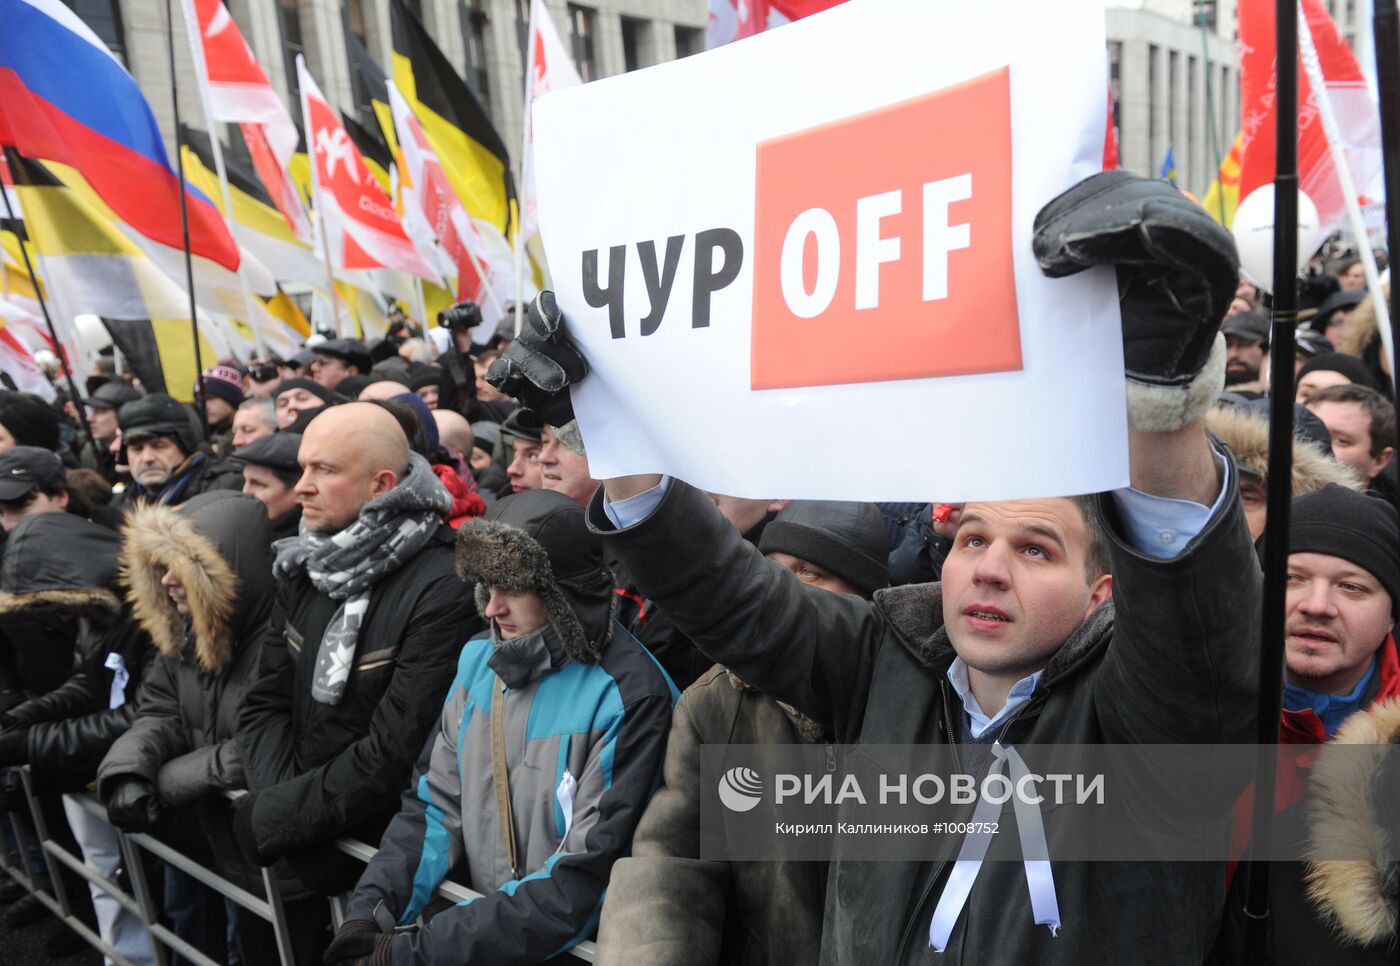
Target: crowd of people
{"points": [[365, 595]]}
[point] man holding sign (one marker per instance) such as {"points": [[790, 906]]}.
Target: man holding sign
{"points": [[1126, 617]]}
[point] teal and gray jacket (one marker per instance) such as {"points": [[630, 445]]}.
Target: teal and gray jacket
{"points": [[584, 746]]}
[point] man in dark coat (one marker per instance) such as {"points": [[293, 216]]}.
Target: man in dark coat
{"points": [[270, 473], [1020, 643], [368, 620], [165, 456]]}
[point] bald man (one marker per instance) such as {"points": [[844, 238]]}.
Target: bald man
{"points": [[384, 389], [456, 438], [364, 641]]}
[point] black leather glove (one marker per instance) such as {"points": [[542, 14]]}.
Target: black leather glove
{"points": [[133, 805], [11, 791], [14, 746], [359, 943], [1177, 272], [460, 315], [243, 833], [541, 364]]}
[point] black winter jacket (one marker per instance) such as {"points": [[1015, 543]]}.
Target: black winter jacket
{"points": [[182, 737], [1174, 665], [319, 771], [58, 563]]}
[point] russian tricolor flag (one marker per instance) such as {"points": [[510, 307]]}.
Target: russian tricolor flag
{"points": [[65, 98]]}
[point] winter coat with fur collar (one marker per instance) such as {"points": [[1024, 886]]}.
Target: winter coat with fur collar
{"points": [[182, 739]]}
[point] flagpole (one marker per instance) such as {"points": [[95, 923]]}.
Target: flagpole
{"points": [[63, 360], [201, 77], [185, 221], [523, 192], [1385, 22], [330, 270], [1279, 494]]}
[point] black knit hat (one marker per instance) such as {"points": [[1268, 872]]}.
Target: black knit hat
{"points": [[847, 539], [424, 377], [28, 420], [1342, 523], [1349, 366], [310, 385]]}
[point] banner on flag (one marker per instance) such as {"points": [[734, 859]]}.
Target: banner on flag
{"points": [[725, 284], [362, 228]]}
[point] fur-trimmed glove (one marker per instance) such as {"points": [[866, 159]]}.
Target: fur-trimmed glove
{"points": [[1177, 272], [541, 364], [359, 943]]}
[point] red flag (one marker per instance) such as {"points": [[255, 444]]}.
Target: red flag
{"points": [[239, 92], [1346, 91], [362, 228]]}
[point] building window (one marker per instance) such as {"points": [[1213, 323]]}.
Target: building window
{"points": [[1153, 104], [1115, 84], [1204, 14], [689, 40], [633, 34], [474, 39], [105, 19], [355, 20], [289, 18], [1173, 75], [1188, 159], [583, 27]]}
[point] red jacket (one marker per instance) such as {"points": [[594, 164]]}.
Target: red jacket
{"points": [[466, 501]]}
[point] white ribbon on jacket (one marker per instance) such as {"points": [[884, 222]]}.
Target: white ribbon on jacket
{"points": [[1044, 906]]}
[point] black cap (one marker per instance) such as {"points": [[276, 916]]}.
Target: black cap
{"points": [[848, 539], [157, 415], [111, 395], [277, 452], [352, 352], [1337, 300], [24, 467], [523, 424], [1247, 325]]}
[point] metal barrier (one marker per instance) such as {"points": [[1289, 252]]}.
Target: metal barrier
{"points": [[146, 905]]}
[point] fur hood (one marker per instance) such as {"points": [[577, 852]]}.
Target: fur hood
{"points": [[537, 542], [1361, 328], [211, 544], [1248, 438], [1352, 813], [59, 561]]}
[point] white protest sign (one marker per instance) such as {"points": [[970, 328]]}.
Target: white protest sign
{"points": [[800, 265]]}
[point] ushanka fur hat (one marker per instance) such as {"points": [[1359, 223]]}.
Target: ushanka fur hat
{"points": [[537, 542]]}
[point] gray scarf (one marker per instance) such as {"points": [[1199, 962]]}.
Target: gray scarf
{"points": [[389, 531]]}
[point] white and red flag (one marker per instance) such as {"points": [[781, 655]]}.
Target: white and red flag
{"points": [[736, 19], [479, 254], [1358, 117], [362, 228], [551, 69], [239, 93], [16, 359]]}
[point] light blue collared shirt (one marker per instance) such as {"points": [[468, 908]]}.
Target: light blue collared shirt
{"points": [[980, 724]]}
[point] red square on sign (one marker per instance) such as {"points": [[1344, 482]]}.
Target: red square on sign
{"points": [[882, 244]]}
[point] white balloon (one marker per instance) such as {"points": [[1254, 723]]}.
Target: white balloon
{"points": [[1253, 229]]}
